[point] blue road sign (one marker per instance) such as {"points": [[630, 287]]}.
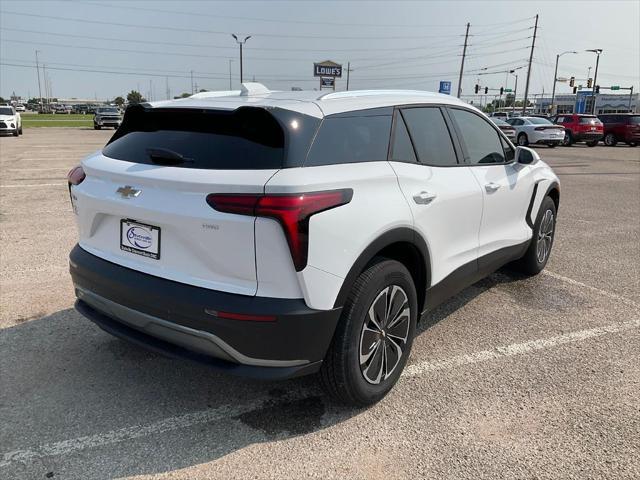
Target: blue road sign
{"points": [[581, 100], [445, 87]]}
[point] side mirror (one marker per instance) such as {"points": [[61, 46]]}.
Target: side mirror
{"points": [[526, 156]]}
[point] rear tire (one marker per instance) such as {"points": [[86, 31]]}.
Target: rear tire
{"points": [[537, 255], [369, 324], [632, 144], [96, 127], [610, 140], [523, 141], [552, 145]]}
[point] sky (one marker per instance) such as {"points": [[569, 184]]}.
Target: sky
{"points": [[104, 48]]}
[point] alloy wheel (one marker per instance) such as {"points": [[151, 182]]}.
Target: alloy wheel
{"points": [[384, 334], [545, 237]]}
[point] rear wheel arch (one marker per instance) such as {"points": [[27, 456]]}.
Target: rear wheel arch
{"points": [[404, 245]]}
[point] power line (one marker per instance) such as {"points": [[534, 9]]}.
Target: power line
{"points": [[262, 34]]}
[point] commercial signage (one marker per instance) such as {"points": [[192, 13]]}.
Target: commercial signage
{"points": [[581, 100], [327, 69], [445, 87], [327, 82]]}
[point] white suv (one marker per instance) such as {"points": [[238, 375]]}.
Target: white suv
{"points": [[278, 234]]}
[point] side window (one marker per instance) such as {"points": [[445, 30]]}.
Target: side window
{"points": [[402, 149], [509, 152], [350, 140], [479, 137], [430, 136]]}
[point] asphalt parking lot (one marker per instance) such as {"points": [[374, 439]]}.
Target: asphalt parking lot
{"points": [[513, 378]]}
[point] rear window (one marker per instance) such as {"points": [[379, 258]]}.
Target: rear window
{"points": [[345, 139], [244, 139], [589, 120], [539, 121]]}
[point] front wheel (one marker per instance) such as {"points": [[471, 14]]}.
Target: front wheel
{"points": [[523, 141], [20, 131], [592, 143], [552, 145], [15, 132], [373, 339], [537, 255], [568, 139], [610, 140], [632, 144], [96, 127]]}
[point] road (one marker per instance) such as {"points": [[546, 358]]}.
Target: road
{"points": [[513, 378]]}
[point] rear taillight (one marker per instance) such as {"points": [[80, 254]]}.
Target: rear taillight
{"points": [[76, 175], [540, 128], [292, 211], [243, 317]]}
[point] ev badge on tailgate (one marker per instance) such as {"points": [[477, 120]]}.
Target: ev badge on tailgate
{"points": [[128, 191]]}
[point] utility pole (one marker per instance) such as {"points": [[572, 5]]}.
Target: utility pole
{"points": [[555, 79], [241, 43], [630, 98], [464, 54], [46, 84], [230, 86], [38, 72], [348, 70], [597, 51], [166, 79], [526, 88], [191, 82]]}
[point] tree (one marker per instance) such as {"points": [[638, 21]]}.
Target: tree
{"points": [[119, 101], [2, 100], [134, 97], [183, 95]]}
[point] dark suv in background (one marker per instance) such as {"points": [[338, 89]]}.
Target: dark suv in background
{"points": [[580, 128], [621, 127]]}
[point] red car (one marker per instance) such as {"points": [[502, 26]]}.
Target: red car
{"points": [[580, 128], [621, 127]]}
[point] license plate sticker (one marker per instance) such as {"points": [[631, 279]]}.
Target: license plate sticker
{"points": [[140, 238]]}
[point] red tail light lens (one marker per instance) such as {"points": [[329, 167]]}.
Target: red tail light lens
{"points": [[241, 316], [291, 210], [76, 175]]}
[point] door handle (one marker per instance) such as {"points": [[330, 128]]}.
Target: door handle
{"points": [[491, 187], [424, 198]]}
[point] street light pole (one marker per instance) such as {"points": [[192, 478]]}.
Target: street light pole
{"points": [[597, 51], [555, 79], [39, 88], [515, 92], [230, 87], [241, 43]]}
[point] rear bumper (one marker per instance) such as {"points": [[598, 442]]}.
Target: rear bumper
{"points": [[170, 317], [587, 136]]}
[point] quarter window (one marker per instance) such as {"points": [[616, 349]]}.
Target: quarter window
{"points": [[480, 138], [430, 136]]}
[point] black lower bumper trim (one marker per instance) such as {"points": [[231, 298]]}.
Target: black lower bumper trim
{"points": [[153, 344]]}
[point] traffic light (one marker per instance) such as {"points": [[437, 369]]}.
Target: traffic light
{"points": [[486, 90], [589, 82], [501, 91], [597, 88], [477, 88], [575, 90], [572, 82]]}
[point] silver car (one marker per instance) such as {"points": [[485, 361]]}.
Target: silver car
{"points": [[535, 130], [107, 117]]}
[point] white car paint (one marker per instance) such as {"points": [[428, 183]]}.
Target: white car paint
{"points": [[250, 256], [532, 130], [9, 117]]}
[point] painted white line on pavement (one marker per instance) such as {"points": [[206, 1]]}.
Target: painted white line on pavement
{"points": [[518, 348], [576, 283], [35, 185], [229, 411]]}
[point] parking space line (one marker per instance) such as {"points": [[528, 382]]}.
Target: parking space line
{"points": [[223, 412], [605, 293], [35, 185]]}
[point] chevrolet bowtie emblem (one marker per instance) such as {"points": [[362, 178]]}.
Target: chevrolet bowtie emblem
{"points": [[128, 191]]}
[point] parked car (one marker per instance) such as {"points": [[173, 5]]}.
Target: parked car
{"points": [[20, 108], [10, 120], [81, 109], [580, 128], [278, 234], [621, 127], [107, 117], [64, 109], [536, 130], [501, 115], [507, 129]]}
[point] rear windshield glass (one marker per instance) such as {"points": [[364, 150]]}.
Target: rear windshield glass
{"points": [[539, 121], [351, 140], [589, 120], [246, 138]]}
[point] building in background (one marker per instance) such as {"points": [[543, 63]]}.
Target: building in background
{"points": [[582, 103]]}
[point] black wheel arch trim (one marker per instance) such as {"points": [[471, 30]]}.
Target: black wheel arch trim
{"points": [[396, 235], [554, 186]]}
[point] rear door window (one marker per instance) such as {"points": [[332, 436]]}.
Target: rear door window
{"points": [[351, 139], [401, 147], [430, 136]]}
